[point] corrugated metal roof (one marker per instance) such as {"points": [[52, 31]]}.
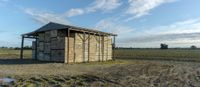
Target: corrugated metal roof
{"points": [[57, 26]]}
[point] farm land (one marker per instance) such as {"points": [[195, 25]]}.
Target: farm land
{"points": [[132, 67]]}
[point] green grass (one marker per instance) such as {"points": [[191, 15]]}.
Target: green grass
{"points": [[156, 53], [31, 73], [8, 53], [122, 53]]}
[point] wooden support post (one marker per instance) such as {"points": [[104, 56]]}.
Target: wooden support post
{"points": [[99, 48], [89, 48], [74, 48], [84, 47], [22, 48], [102, 48], [107, 49], [68, 35], [114, 48], [36, 40]]}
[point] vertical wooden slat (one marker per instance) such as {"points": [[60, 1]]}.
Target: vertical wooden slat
{"points": [[36, 40], [68, 35], [102, 48], [22, 48], [99, 47], [74, 48], [107, 49], [89, 48], [84, 47], [114, 48]]}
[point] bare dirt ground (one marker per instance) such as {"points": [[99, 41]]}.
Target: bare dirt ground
{"points": [[121, 73], [155, 74]]}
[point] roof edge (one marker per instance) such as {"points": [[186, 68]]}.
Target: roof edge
{"points": [[81, 29]]}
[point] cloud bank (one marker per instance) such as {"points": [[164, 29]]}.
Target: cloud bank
{"points": [[45, 16], [135, 9], [139, 8], [97, 5], [181, 32], [114, 26]]}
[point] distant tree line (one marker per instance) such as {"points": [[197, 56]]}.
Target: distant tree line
{"points": [[16, 48], [162, 46]]}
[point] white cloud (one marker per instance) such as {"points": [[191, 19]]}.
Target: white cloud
{"points": [[181, 33], [110, 25], [45, 17], [97, 5], [104, 5], [185, 26], [139, 8], [74, 12]]}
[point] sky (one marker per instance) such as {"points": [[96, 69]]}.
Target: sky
{"points": [[138, 23]]}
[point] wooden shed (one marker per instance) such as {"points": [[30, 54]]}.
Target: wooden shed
{"points": [[70, 44]]}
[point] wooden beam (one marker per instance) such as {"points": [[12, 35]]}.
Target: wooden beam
{"points": [[114, 48], [83, 47], [80, 36], [102, 48], [36, 40], [99, 48], [30, 37], [94, 32], [89, 48], [107, 48], [22, 48], [68, 35], [74, 48]]}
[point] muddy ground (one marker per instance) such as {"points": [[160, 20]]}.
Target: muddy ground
{"points": [[134, 73]]}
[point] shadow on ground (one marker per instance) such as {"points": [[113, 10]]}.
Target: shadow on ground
{"points": [[20, 61]]}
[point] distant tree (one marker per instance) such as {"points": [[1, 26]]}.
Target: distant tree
{"points": [[193, 47], [163, 46], [27, 47], [11, 48], [4, 47], [17, 48]]}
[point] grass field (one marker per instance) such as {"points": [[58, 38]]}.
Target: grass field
{"points": [[124, 53], [8, 53], [125, 71], [170, 54]]}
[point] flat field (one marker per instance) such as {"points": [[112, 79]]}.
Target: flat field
{"points": [[158, 54], [123, 72], [13, 54]]}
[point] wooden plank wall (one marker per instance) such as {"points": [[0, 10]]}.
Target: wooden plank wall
{"points": [[88, 48], [78, 47], [71, 48], [53, 46]]}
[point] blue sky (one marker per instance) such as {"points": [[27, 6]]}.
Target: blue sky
{"points": [[138, 23]]}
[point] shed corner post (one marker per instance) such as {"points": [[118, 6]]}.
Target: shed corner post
{"points": [[68, 35], [113, 48], [22, 47], [36, 40]]}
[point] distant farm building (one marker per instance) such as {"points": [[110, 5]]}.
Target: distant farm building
{"points": [[69, 44]]}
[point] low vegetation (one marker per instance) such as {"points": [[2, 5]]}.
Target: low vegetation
{"points": [[125, 71], [160, 54], [12, 53]]}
